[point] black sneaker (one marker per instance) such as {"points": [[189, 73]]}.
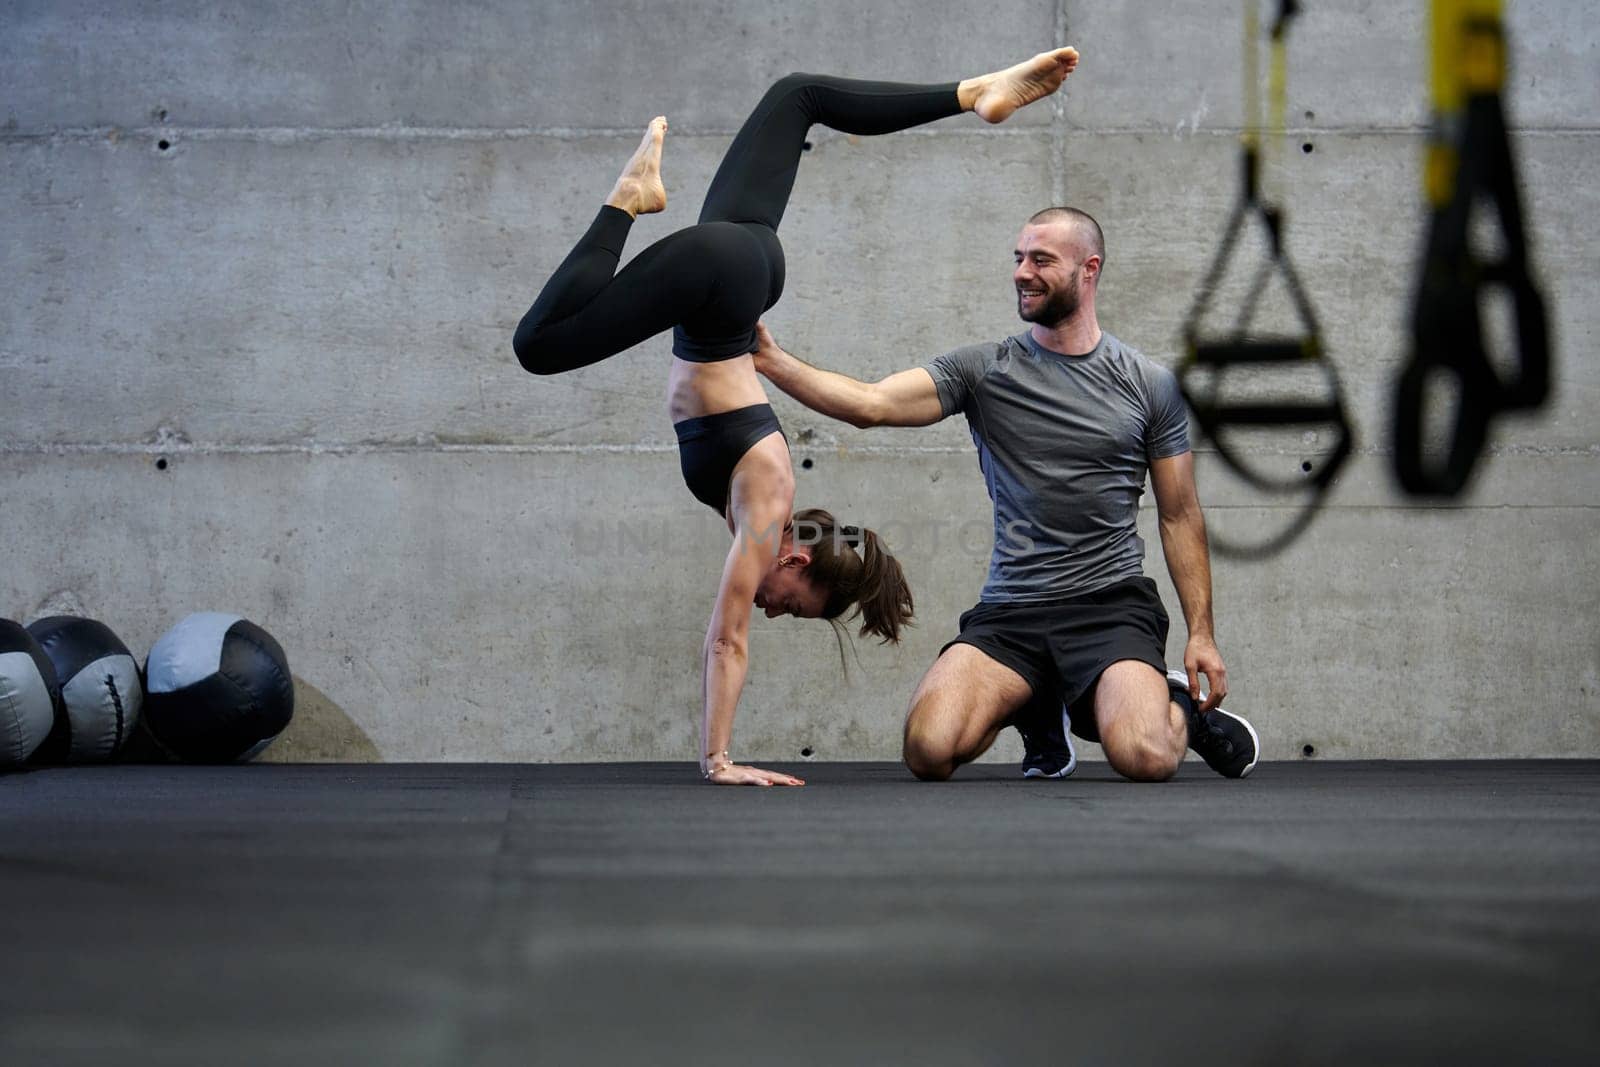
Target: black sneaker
{"points": [[1227, 742], [1046, 745]]}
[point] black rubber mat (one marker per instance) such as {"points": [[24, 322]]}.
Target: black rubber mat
{"points": [[1313, 913]]}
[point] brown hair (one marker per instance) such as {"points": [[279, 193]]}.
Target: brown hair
{"points": [[850, 563]]}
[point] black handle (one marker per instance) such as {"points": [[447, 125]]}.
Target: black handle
{"points": [[1445, 476], [1218, 353], [1215, 417]]}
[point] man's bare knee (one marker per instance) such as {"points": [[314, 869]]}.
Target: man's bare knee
{"points": [[926, 758], [1143, 751], [1143, 734], [959, 707], [927, 770], [1145, 761]]}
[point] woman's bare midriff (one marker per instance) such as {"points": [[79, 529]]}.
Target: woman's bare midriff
{"points": [[696, 389]]}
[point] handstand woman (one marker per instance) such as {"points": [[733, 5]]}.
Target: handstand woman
{"points": [[709, 284]]}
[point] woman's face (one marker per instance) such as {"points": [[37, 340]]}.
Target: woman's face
{"points": [[787, 591]]}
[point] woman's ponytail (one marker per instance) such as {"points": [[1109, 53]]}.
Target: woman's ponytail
{"points": [[884, 597], [856, 570]]}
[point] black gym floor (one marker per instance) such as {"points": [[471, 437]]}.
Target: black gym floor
{"points": [[1314, 913]]}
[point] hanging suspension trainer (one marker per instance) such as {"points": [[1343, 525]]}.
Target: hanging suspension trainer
{"points": [[1210, 356], [1469, 162]]}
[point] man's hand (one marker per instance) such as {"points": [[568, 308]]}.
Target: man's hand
{"points": [[767, 350], [908, 398], [1200, 656], [734, 774]]}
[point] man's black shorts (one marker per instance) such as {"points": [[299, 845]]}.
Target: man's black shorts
{"points": [[1060, 647]]}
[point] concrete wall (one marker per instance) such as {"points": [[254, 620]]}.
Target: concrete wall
{"points": [[262, 263]]}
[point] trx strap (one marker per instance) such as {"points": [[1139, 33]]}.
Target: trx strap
{"points": [[1468, 162], [1214, 354]]}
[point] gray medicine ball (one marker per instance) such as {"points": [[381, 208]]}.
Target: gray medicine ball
{"points": [[99, 685], [217, 689], [30, 697]]}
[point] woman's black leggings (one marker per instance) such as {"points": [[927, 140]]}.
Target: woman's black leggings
{"points": [[711, 282]]}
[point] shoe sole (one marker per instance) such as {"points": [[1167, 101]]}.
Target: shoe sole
{"points": [[1181, 680], [1072, 752]]}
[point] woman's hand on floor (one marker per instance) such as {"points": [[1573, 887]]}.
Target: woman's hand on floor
{"points": [[735, 774]]}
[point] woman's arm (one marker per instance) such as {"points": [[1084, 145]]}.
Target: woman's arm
{"points": [[761, 507]]}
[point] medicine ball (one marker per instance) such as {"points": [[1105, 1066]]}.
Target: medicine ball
{"points": [[217, 689], [99, 685], [30, 697]]}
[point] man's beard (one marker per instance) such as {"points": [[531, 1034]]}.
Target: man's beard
{"points": [[1058, 306]]}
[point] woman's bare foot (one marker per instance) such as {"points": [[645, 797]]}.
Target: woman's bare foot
{"points": [[639, 190], [995, 96]]}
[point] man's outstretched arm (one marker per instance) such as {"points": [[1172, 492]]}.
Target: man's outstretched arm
{"points": [[908, 398], [1183, 540]]}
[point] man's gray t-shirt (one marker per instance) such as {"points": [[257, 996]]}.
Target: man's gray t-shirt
{"points": [[1064, 443]]}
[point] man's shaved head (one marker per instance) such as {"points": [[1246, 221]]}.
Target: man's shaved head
{"points": [[1088, 229]]}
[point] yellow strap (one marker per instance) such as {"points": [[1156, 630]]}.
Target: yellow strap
{"points": [[1439, 172], [1265, 141], [1252, 96], [1466, 61], [1277, 110]]}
